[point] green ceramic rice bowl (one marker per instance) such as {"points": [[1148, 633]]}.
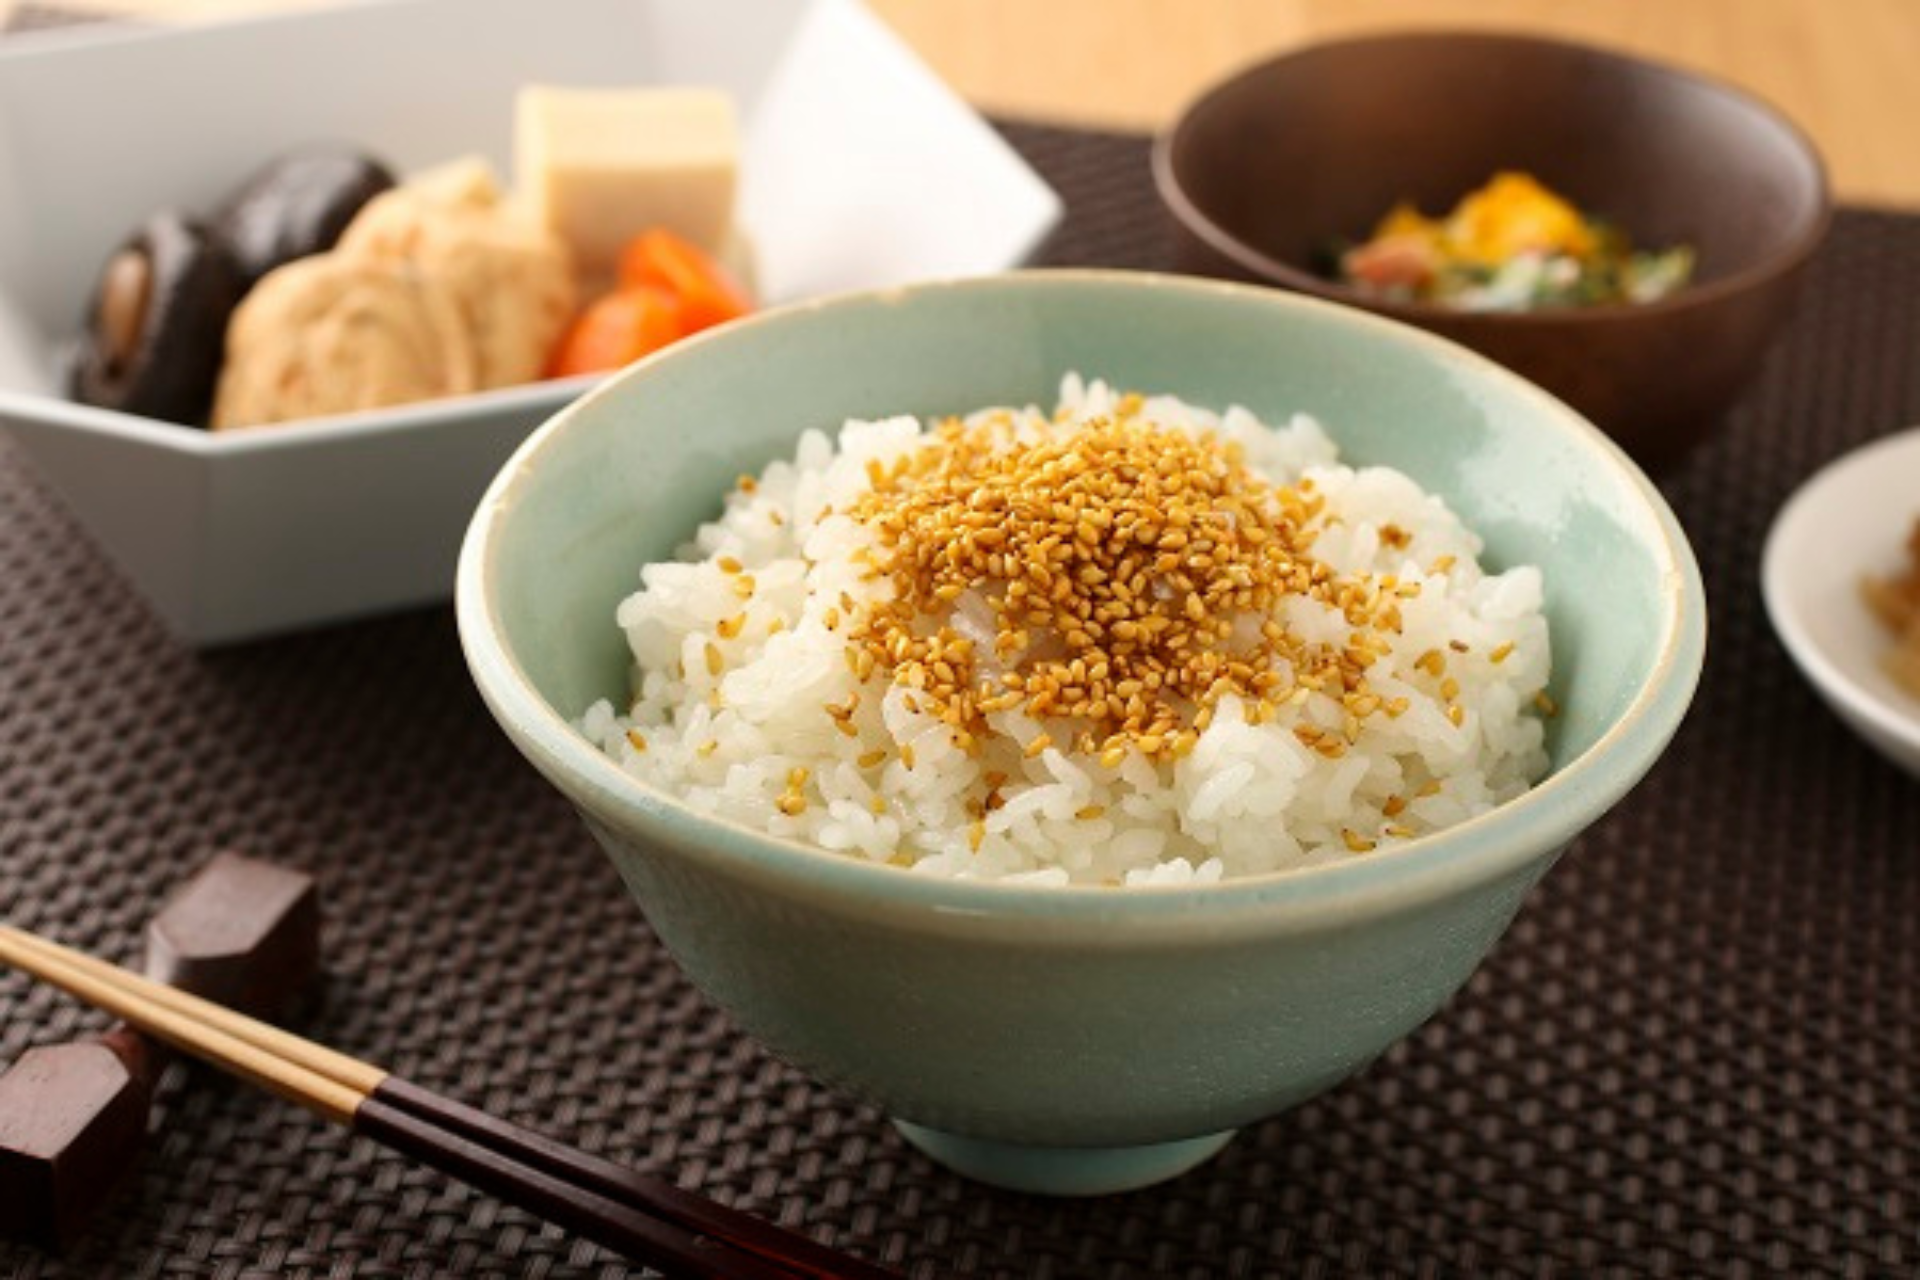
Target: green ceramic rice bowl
{"points": [[1081, 1039]]}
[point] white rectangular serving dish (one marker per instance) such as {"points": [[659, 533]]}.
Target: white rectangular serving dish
{"points": [[860, 170]]}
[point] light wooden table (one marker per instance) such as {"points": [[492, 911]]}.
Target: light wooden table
{"points": [[1847, 70]]}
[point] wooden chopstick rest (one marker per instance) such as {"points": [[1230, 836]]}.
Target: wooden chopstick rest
{"points": [[647, 1218], [73, 1117]]}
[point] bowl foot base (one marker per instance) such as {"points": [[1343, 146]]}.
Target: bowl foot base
{"points": [[1063, 1171]]}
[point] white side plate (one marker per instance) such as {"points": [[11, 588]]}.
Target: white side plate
{"points": [[1850, 520]]}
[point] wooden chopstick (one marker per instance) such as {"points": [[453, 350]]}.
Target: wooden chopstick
{"points": [[648, 1218]]}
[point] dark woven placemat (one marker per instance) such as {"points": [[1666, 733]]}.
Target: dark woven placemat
{"points": [[1694, 1052]]}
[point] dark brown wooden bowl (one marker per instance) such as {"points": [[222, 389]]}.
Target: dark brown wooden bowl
{"points": [[1269, 169]]}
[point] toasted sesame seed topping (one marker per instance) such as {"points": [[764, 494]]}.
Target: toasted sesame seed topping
{"points": [[638, 739], [1116, 561]]}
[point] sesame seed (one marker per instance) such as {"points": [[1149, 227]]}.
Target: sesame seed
{"points": [[1502, 653], [791, 805], [1355, 841], [638, 739], [715, 663], [728, 565], [1119, 563]]}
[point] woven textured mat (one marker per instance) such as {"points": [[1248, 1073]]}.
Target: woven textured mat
{"points": [[1694, 1052]]}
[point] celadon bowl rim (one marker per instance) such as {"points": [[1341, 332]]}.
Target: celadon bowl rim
{"points": [[1529, 828]]}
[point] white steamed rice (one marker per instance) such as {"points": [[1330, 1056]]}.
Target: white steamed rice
{"points": [[1247, 799]]}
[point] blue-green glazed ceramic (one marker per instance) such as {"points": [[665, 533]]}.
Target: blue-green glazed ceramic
{"points": [[1077, 1040]]}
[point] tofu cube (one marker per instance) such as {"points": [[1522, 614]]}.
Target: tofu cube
{"points": [[598, 166]]}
